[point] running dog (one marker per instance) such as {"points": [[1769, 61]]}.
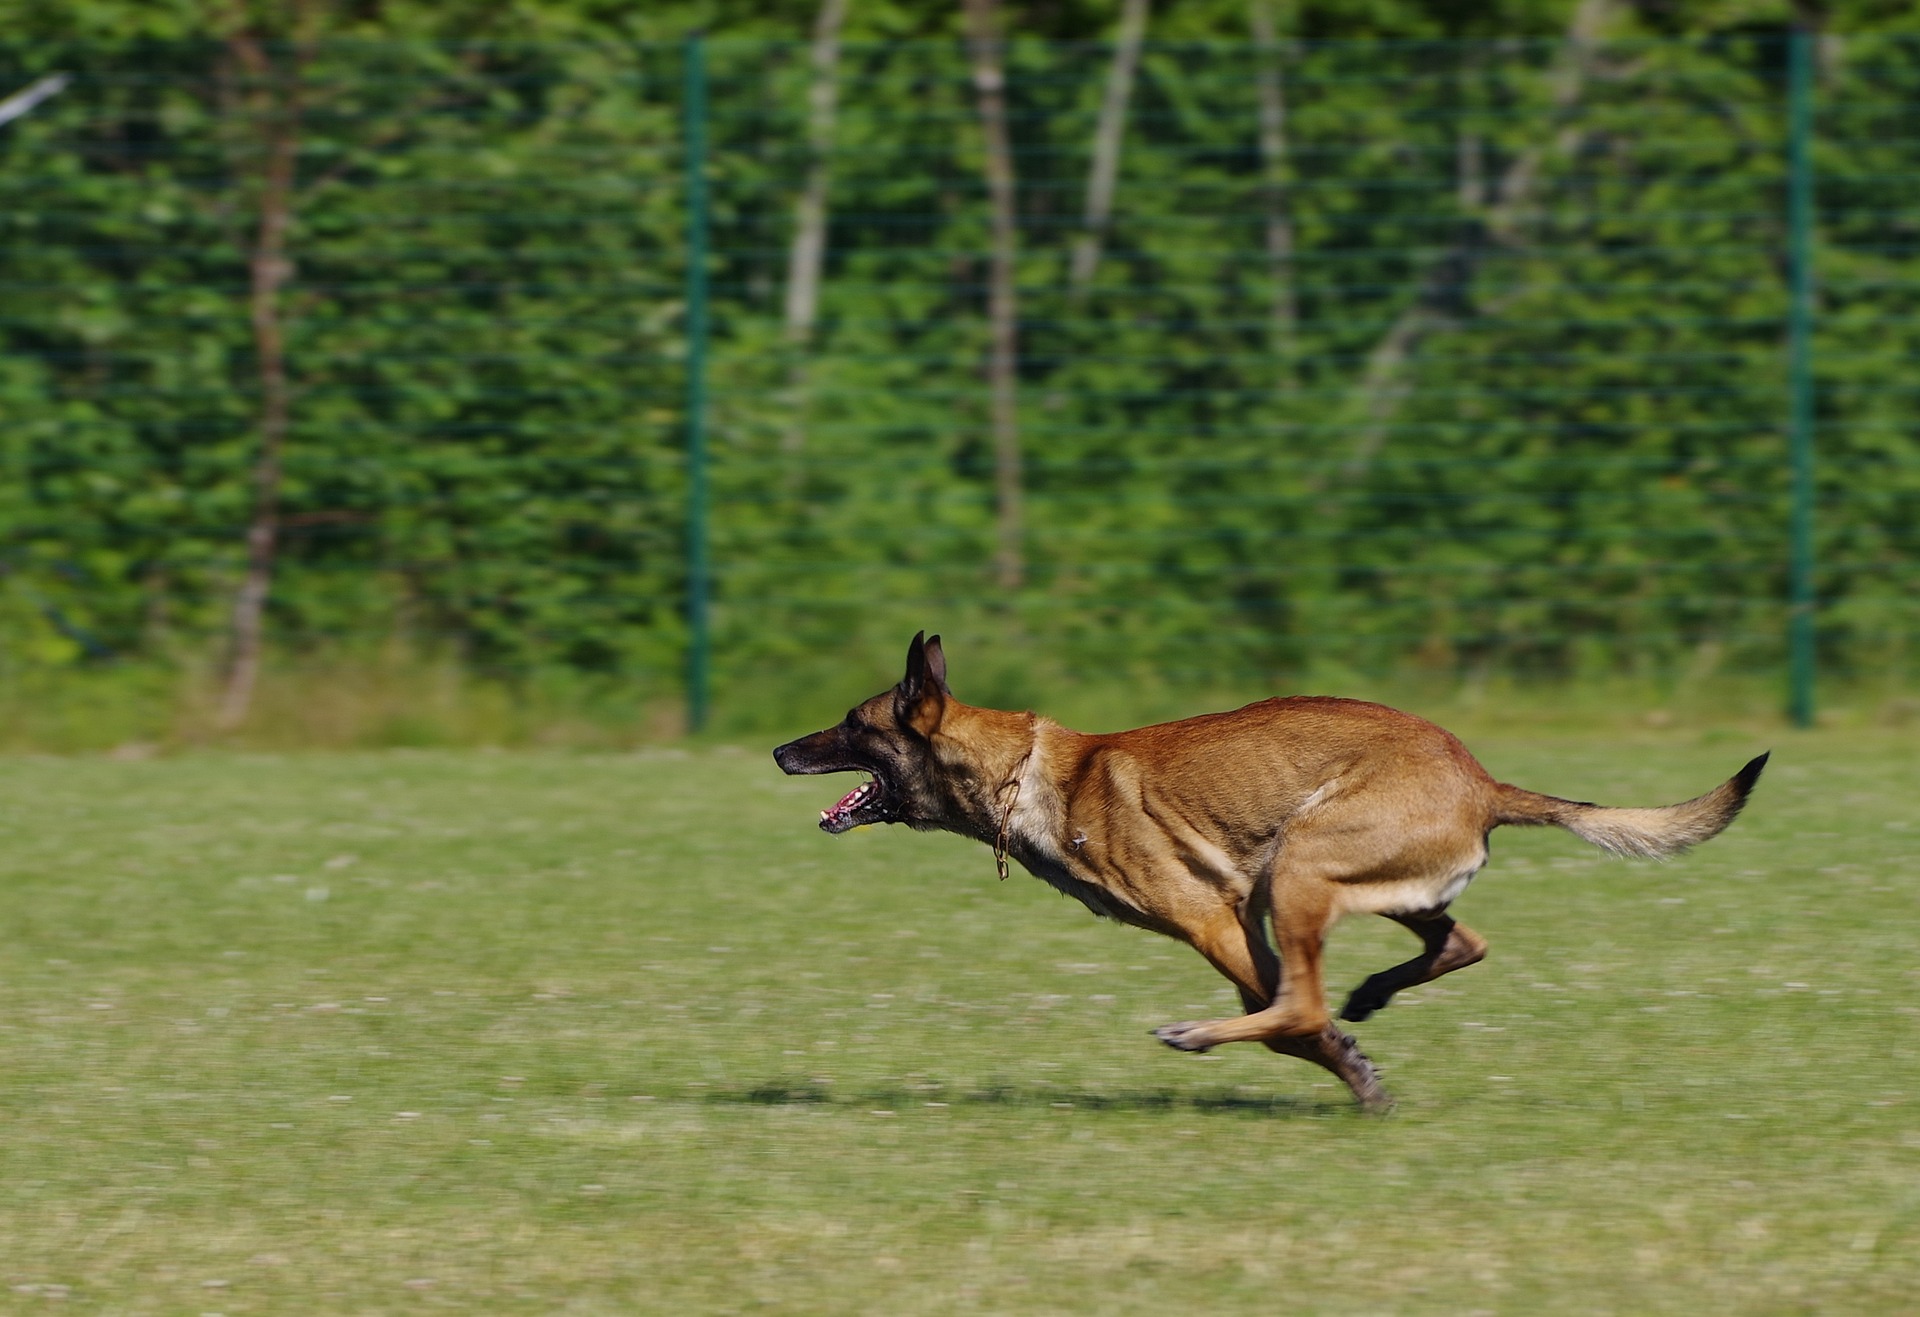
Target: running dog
{"points": [[1294, 812]]}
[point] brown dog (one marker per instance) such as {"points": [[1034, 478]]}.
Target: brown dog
{"points": [[1297, 810]]}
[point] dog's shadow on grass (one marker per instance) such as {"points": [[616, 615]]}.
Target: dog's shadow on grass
{"points": [[1213, 1101]]}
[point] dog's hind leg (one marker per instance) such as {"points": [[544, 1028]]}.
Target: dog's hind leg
{"points": [[1446, 947], [1332, 1050]]}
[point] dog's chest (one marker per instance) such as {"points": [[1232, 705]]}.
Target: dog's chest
{"points": [[1077, 871], [1058, 872]]}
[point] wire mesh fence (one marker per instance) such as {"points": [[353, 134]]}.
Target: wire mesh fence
{"points": [[1237, 366]]}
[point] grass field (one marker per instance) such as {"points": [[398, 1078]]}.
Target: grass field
{"points": [[542, 1033]]}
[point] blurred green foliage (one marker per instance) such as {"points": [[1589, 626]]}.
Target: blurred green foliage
{"points": [[1526, 418]]}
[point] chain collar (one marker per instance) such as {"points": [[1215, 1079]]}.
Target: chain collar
{"points": [[1000, 840]]}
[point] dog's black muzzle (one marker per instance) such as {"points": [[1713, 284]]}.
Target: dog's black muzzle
{"points": [[827, 752], [812, 754]]}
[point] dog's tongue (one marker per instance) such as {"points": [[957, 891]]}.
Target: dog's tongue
{"points": [[853, 800]]}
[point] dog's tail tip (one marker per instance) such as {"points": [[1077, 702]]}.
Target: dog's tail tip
{"points": [[1648, 834]]}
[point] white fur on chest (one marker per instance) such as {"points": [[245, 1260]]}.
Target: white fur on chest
{"points": [[1033, 819]]}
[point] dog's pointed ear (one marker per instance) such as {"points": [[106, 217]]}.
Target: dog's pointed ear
{"points": [[916, 677], [937, 664], [920, 700]]}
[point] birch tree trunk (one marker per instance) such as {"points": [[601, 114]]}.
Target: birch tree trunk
{"points": [[1107, 135], [274, 106], [23, 102], [1271, 89], [1377, 394], [810, 213], [808, 254], [989, 82]]}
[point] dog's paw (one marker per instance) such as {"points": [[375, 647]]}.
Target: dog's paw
{"points": [[1359, 1008], [1361, 1075], [1186, 1037], [1364, 1002]]}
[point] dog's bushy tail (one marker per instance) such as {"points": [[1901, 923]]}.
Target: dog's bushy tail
{"points": [[1646, 833]]}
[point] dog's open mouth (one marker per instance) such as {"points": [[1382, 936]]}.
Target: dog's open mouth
{"points": [[866, 803]]}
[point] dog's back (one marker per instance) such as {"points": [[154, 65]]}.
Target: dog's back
{"points": [[1263, 764]]}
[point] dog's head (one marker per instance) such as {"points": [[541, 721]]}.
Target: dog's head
{"points": [[889, 737]]}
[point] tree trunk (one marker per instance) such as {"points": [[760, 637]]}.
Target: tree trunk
{"points": [[24, 101], [810, 213], [274, 105], [989, 81], [1273, 181], [1569, 83], [1375, 396], [809, 249], [1107, 136], [1470, 173]]}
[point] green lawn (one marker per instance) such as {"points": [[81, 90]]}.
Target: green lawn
{"points": [[526, 1033]]}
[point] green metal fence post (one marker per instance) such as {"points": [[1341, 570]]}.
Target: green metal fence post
{"points": [[699, 583], [1800, 657]]}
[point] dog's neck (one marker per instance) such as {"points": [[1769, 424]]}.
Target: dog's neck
{"points": [[993, 777]]}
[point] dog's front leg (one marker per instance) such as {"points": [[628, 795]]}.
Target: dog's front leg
{"points": [[1303, 911], [1243, 956]]}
